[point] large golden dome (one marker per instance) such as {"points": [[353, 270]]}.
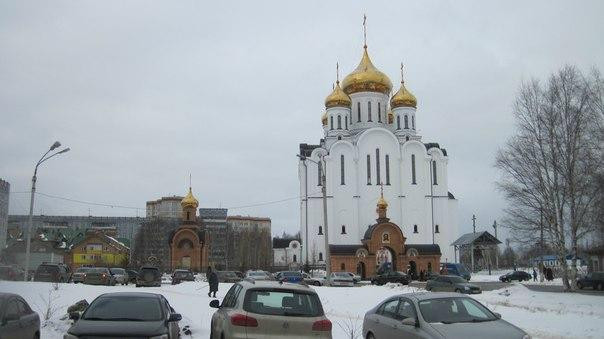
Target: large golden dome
{"points": [[189, 201], [403, 98], [338, 98], [366, 78]]}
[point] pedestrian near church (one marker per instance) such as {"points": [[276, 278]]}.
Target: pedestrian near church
{"points": [[534, 274], [213, 281]]}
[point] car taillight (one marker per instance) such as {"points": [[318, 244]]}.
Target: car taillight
{"points": [[238, 319], [322, 325]]}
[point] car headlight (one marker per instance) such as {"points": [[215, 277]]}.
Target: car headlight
{"points": [[163, 336], [69, 336]]}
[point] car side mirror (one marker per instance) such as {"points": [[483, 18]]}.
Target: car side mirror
{"points": [[175, 317], [410, 322], [75, 316], [215, 304], [497, 315]]}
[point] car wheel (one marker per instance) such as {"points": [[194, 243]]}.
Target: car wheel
{"points": [[370, 336], [457, 290], [317, 283]]}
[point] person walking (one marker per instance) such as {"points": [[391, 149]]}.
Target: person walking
{"points": [[213, 281], [534, 274]]}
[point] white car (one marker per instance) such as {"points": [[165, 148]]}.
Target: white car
{"points": [[315, 281], [269, 309], [341, 279], [120, 275], [257, 275], [355, 277]]}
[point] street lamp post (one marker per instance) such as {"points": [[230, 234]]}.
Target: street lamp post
{"points": [[31, 203]]}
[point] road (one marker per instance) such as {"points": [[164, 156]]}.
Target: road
{"points": [[495, 285]]}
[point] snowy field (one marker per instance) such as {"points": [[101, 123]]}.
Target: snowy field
{"points": [[542, 314]]}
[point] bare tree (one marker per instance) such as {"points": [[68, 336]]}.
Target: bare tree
{"points": [[548, 167]]}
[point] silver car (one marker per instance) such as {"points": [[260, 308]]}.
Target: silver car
{"points": [[269, 309], [120, 275], [452, 283], [436, 315], [257, 275], [341, 279]]}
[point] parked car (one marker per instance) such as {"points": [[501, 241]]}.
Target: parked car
{"points": [[269, 309], [310, 280], [148, 276], [392, 277], [120, 275], [450, 268], [52, 272], [257, 275], [179, 276], [227, 277], [594, 280], [10, 272], [436, 315], [515, 275], [452, 283], [99, 276], [17, 320], [79, 274], [294, 277], [340, 279], [126, 314], [132, 274], [355, 277]]}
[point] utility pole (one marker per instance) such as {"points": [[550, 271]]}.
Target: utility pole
{"points": [[496, 246], [472, 245], [326, 237]]}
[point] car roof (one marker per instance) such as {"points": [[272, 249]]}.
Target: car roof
{"points": [[275, 284], [419, 296], [131, 294], [4, 295]]}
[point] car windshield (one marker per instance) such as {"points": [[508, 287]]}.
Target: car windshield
{"points": [[292, 274], [124, 308], [461, 268], [257, 274], [98, 270], [181, 273], [454, 310], [83, 270], [282, 303], [118, 271], [455, 279], [48, 268], [341, 274]]}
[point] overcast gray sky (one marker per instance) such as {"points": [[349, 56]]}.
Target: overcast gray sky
{"points": [[146, 92]]}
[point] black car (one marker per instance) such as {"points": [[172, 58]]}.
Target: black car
{"points": [[148, 276], [132, 274], [392, 277], [516, 275], [179, 276], [53, 272], [17, 320], [126, 314], [594, 280]]}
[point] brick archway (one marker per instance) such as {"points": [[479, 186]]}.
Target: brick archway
{"points": [[187, 250]]}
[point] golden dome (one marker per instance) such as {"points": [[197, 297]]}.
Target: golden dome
{"points": [[366, 78], [337, 98], [189, 201], [382, 202], [324, 119], [390, 117], [403, 98]]}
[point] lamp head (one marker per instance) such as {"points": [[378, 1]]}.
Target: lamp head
{"points": [[65, 150], [55, 145]]}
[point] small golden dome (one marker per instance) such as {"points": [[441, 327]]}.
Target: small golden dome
{"points": [[382, 202], [366, 78], [403, 98], [338, 98], [390, 117], [189, 201], [324, 119]]}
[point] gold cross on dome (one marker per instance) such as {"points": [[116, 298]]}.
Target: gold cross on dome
{"points": [[365, 30]]}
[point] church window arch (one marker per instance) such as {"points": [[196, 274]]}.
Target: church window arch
{"points": [[346, 122], [436, 230], [415, 229], [339, 122], [295, 258], [319, 174], [379, 112], [343, 229], [398, 122], [377, 166], [387, 169], [320, 230], [343, 267], [342, 170], [186, 244], [331, 122], [430, 267], [188, 215], [369, 111], [412, 252], [358, 112], [368, 169], [413, 122], [434, 176], [320, 256], [406, 122], [413, 169]]}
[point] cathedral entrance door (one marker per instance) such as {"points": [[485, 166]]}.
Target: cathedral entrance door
{"points": [[185, 262], [361, 269]]}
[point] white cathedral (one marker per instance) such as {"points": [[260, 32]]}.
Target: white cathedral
{"points": [[371, 141]]}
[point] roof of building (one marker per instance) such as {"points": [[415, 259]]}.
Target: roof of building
{"points": [[283, 242], [424, 249], [435, 145], [213, 213], [242, 217], [344, 249], [478, 238], [306, 149]]}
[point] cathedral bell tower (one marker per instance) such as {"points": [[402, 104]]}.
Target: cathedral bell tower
{"points": [[189, 208]]}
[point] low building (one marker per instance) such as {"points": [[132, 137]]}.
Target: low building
{"points": [[41, 250], [287, 253], [97, 248], [248, 243], [215, 222], [188, 244]]}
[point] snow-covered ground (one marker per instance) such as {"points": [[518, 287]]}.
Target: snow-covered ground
{"points": [[542, 314]]}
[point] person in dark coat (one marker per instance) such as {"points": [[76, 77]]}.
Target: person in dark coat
{"points": [[534, 274], [213, 281]]}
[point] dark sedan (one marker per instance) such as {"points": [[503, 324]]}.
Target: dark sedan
{"points": [[390, 277], [17, 320], [516, 275], [126, 314]]}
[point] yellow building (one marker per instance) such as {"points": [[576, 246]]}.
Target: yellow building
{"points": [[98, 249]]}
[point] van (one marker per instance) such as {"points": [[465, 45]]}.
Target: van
{"points": [[455, 269]]}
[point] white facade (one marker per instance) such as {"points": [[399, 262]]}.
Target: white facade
{"points": [[419, 200], [288, 256]]}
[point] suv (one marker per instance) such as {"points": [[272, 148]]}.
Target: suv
{"points": [[392, 277], [148, 276], [52, 272], [179, 276], [594, 280], [449, 268], [256, 309]]}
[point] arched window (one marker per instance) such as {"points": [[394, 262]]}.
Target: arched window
{"points": [[387, 169], [414, 228], [343, 229], [398, 122], [369, 111], [295, 258], [343, 267], [379, 112], [413, 169], [346, 122], [320, 256], [339, 122], [358, 112], [368, 169], [413, 122], [406, 122], [188, 215], [320, 174], [331, 122], [342, 174], [320, 230], [377, 166], [429, 267], [434, 176], [436, 229]]}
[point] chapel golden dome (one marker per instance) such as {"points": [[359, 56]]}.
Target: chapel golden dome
{"points": [[382, 203], [337, 98], [324, 119], [189, 201], [366, 78], [403, 98]]}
